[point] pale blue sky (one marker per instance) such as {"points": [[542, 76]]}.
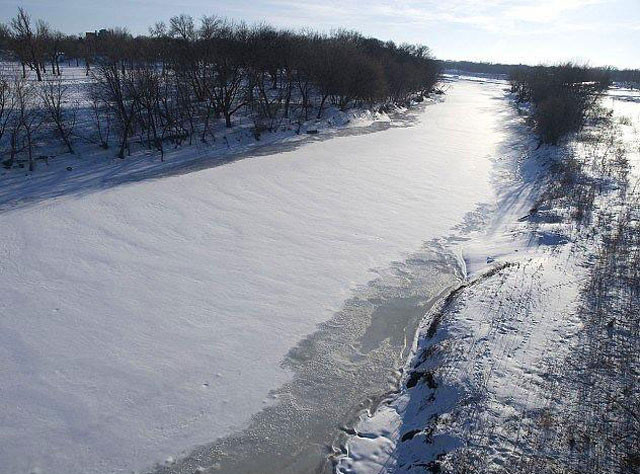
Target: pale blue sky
{"points": [[603, 32]]}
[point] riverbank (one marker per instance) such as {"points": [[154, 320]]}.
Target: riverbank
{"points": [[498, 373]]}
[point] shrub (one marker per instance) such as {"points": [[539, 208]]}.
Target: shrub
{"points": [[561, 95]]}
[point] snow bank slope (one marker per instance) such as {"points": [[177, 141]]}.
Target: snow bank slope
{"points": [[139, 321], [509, 372]]}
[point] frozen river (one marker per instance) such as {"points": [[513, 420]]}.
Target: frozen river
{"points": [[250, 309]]}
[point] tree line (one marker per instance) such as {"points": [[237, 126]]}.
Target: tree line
{"points": [[625, 77], [480, 67], [173, 84], [628, 77]]}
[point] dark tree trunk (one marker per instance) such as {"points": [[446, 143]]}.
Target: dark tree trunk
{"points": [[324, 98]]}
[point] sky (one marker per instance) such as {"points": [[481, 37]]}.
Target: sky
{"points": [[599, 32]]}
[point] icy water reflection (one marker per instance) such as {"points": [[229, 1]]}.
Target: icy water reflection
{"points": [[345, 367]]}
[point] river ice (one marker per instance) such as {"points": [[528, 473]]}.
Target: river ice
{"points": [[140, 321]]}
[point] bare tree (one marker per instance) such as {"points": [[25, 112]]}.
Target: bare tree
{"points": [[27, 44], [101, 118], [28, 115], [112, 86], [61, 111], [7, 105], [5, 37], [161, 43], [182, 26], [154, 113], [267, 61], [52, 46], [228, 79]]}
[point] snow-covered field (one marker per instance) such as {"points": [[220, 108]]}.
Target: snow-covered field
{"points": [[144, 319]]}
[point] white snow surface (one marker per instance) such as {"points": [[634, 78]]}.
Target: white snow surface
{"points": [[494, 344], [625, 104], [139, 321]]}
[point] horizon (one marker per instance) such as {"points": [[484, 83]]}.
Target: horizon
{"points": [[594, 32]]}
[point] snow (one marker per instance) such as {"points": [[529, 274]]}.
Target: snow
{"points": [[485, 358], [625, 104], [414, 426], [144, 319], [92, 167]]}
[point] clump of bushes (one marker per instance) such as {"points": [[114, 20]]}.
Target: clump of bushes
{"points": [[562, 96]]}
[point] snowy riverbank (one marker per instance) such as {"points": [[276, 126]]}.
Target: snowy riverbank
{"points": [[494, 382]]}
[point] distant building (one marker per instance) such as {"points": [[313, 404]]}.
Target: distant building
{"points": [[90, 35]]}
